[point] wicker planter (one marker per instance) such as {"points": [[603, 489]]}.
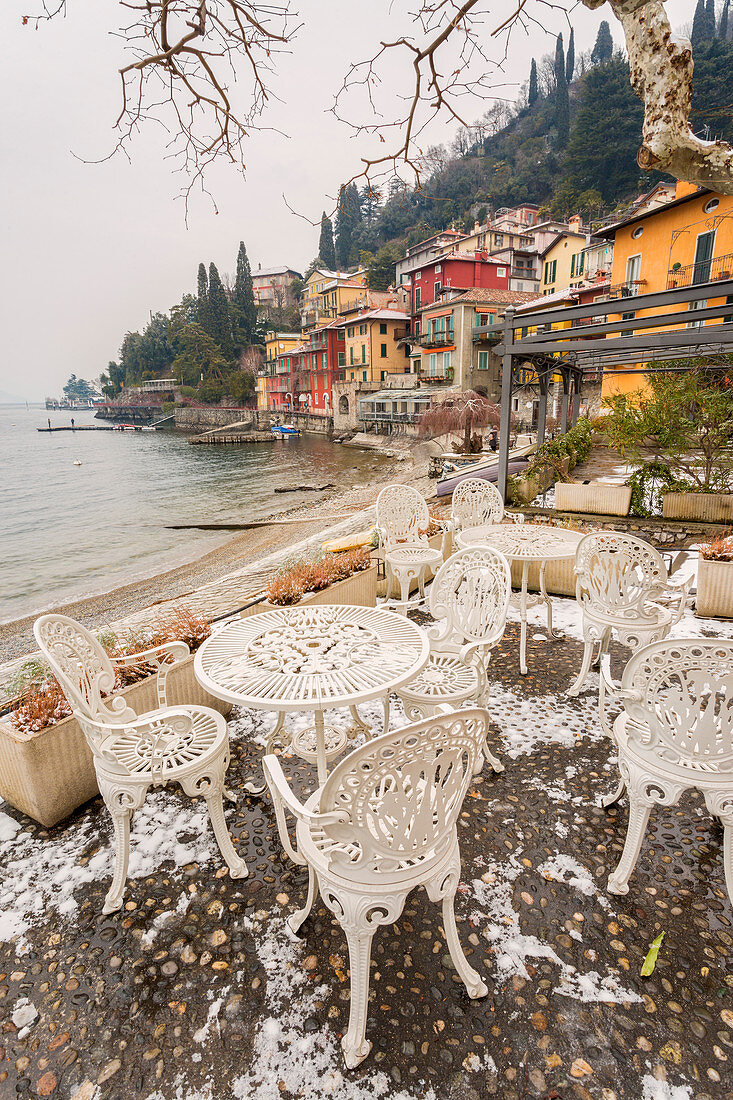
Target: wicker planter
{"points": [[598, 498], [559, 577], [701, 507], [48, 774], [359, 590], [714, 589]]}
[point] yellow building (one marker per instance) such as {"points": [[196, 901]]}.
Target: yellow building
{"points": [[372, 349], [276, 343], [684, 242], [563, 262], [326, 294]]}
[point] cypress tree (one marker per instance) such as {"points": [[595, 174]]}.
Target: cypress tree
{"points": [[723, 25], [562, 101], [203, 312], [220, 326], [534, 87], [326, 249], [603, 49], [710, 20], [243, 300], [699, 25], [570, 60], [345, 221]]}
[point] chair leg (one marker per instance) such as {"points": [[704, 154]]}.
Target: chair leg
{"points": [[237, 866], [728, 856], [354, 1044], [404, 591], [121, 822], [475, 987], [611, 799], [618, 881], [421, 581], [385, 711], [580, 679], [296, 920]]}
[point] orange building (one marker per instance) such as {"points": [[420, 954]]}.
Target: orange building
{"points": [[684, 242]]}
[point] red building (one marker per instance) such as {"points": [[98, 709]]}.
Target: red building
{"points": [[304, 376], [458, 270]]}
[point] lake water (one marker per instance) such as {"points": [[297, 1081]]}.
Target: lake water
{"points": [[68, 531]]}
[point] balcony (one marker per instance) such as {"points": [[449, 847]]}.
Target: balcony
{"points": [[434, 339], [486, 332], [442, 376], [707, 271]]}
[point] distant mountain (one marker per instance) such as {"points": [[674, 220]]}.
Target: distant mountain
{"points": [[11, 398]]}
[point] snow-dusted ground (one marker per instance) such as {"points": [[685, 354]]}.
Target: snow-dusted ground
{"points": [[44, 878]]}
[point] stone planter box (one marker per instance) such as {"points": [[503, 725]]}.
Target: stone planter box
{"points": [[359, 590], [559, 577], [714, 589], [701, 507], [48, 774], [598, 498], [527, 488]]}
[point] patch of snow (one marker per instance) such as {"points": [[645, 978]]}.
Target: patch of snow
{"points": [[564, 868], [42, 875], [661, 1090], [24, 1015], [212, 1017], [9, 828], [163, 918], [288, 1059], [512, 948]]}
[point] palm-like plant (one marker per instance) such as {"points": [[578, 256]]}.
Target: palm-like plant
{"points": [[464, 412]]}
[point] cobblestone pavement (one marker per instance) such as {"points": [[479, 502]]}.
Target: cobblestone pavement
{"points": [[196, 991]]}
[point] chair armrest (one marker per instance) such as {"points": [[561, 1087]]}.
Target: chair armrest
{"points": [[283, 799], [157, 656], [514, 517], [675, 593]]}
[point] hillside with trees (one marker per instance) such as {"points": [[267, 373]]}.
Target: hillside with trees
{"points": [[210, 342], [569, 144]]}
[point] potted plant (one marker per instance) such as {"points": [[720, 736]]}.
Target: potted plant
{"points": [[349, 577], [715, 578], [46, 767]]}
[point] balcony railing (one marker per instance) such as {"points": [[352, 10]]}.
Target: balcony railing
{"points": [[486, 332], [434, 339], [707, 271]]}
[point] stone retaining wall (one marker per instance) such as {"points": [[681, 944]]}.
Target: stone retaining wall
{"points": [[665, 534], [203, 420]]}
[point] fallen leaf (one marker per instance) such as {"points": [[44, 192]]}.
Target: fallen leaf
{"points": [[650, 961]]}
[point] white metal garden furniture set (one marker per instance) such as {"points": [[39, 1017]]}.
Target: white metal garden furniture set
{"points": [[622, 588], [526, 543], [403, 520], [478, 503], [132, 752], [309, 660], [382, 824]]}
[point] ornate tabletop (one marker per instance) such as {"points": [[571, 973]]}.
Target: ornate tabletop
{"points": [[311, 658], [524, 541]]}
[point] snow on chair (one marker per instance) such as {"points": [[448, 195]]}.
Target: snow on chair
{"points": [[383, 823], [468, 599], [402, 524], [674, 734], [622, 587], [182, 744]]}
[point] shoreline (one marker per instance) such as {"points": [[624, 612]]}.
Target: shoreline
{"points": [[262, 538]]}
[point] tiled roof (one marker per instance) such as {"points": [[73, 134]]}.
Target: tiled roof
{"points": [[481, 295], [566, 295], [264, 272]]}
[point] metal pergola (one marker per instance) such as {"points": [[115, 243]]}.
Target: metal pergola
{"points": [[589, 343]]}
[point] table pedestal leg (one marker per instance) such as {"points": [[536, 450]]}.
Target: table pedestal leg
{"points": [[258, 788], [547, 601], [321, 762], [523, 618]]}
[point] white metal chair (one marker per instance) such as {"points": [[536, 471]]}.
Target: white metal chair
{"points": [[622, 587], [182, 744], [383, 823], [469, 598], [402, 523], [478, 503], [675, 733]]}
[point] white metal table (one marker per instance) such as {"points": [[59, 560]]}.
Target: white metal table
{"points": [[293, 659], [527, 543]]}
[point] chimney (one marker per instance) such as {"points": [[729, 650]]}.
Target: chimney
{"points": [[259, 267], [574, 223], [476, 227]]}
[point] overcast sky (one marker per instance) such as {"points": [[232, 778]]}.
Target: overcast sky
{"points": [[90, 249]]}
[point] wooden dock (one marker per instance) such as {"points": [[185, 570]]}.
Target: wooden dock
{"points": [[79, 428]]}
